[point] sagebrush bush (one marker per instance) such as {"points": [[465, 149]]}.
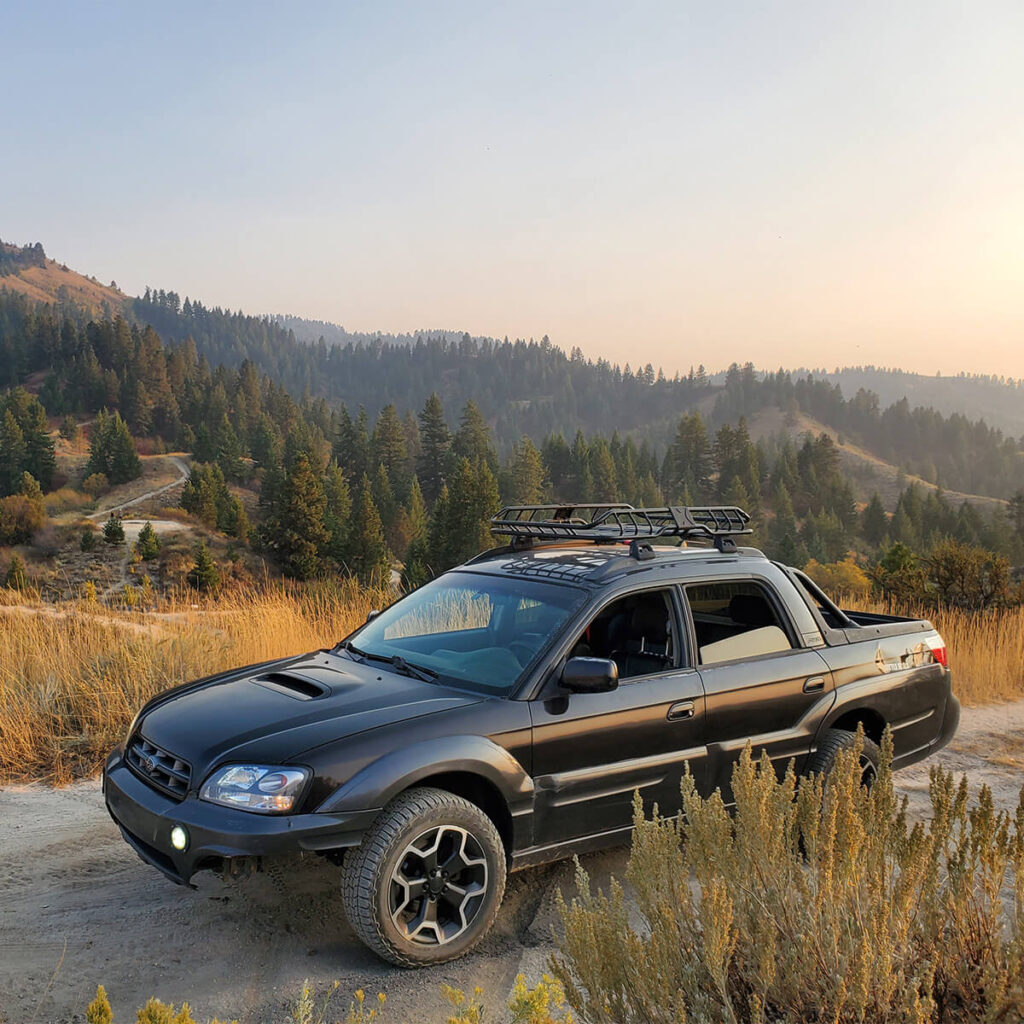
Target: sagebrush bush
{"points": [[814, 902]]}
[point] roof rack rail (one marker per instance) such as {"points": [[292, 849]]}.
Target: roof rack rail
{"points": [[617, 523]]}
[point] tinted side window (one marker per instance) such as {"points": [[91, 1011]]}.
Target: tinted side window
{"points": [[637, 632], [735, 619]]}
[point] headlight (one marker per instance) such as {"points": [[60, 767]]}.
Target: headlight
{"points": [[255, 787]]}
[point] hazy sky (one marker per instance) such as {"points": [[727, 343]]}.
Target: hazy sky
{"points": [[790, 183]]}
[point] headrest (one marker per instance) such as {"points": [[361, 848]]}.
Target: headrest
{"points": [[751, 610], [650, 619]]}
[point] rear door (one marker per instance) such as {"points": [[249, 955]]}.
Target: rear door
{"points": [[591, 751], [759, 682]]}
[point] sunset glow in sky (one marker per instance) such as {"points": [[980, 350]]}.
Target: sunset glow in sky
{"points": [[813, 184]]}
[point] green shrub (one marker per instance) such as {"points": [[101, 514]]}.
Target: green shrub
{"points": [[148, 545], [813, 902], [113, 531]]}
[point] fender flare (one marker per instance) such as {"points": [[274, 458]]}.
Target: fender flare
{"points": [[382, 780]]}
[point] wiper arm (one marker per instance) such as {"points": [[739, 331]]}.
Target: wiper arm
{"points": [[347, 645], [396, 661], [427, 675]]}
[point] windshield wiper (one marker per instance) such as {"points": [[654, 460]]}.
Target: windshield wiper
{"points": [[396, 661], [427, 675]]}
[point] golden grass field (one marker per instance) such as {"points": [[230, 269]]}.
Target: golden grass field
{"points": [[73, 675]]}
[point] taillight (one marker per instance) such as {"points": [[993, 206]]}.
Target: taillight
{"points": [[938, 647]]}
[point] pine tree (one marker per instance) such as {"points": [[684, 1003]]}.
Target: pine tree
{"points": [[229, 451], [524, 478], [783, 534], [460, 523], [688, 465], [233, 519], [148, 545], [473, 438], [69, 429], [88, 541], [388, 444], [411, 522], [369, 558], [16, 578], [435, 448], [384, 499], [12, 454], [337, 513], [580, 483], [112, 450], [602, 472], [874, 521], [416, 570], [298, 532], [204, 574], [113, 531], [39, 453]]}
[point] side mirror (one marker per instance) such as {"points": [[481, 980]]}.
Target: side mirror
{"points": [[590, 675], [371, 615]]}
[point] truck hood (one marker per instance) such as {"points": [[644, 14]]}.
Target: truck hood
{"points": [[272, 713]]}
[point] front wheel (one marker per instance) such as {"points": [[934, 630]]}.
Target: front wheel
{"points": [[425, 884]]}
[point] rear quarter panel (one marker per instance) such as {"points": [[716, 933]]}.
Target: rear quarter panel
{"points": [[896, 678]]}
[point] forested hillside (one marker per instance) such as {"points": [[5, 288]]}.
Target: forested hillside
{"points": [[335, 488], [359, 453], [535, 388]]}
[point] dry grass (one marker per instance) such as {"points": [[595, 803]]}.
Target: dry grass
{"points": [[73, 676], [986, 650]]}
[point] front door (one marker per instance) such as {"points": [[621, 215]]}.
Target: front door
{"points": [[592, 751]]}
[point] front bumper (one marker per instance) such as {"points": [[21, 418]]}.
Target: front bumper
{"points": [[216, 833]]}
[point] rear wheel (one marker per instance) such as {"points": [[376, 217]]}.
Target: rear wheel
{"points": [[426, 882], [823, 760]]}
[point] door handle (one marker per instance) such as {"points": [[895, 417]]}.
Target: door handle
{"points": [[681, 710], [815, 684]]}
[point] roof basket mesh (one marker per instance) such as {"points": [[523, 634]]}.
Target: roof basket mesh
{"points": [[617, 523]]}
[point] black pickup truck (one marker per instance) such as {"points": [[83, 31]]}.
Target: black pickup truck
{"points": [[504, 714]]}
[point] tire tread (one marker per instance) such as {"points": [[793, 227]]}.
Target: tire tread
{"points": [[361, 868]]}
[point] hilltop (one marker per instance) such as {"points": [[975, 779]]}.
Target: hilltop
{"points": [[26, 270]]}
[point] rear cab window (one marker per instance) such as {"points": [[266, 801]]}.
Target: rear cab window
{"points": [[735, 619]]}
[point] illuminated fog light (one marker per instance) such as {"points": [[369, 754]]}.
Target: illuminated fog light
{"points": [[179, 837]]}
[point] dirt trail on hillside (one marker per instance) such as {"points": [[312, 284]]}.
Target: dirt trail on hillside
{"points": [[183, 469], [78, 908]]}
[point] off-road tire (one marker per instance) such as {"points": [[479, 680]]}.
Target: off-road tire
{"points": [[822, 761], [367, 872]]}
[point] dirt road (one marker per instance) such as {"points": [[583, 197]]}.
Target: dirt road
{"points": [[179, 463], [78, 908]]}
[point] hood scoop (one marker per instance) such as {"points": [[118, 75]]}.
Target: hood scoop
{"points": [[292, 684]]}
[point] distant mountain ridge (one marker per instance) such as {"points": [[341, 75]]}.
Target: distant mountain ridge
{"points": [[311, 331], [528, 387], [999, 401]]}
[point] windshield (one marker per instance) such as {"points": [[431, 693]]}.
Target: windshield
{"points": [[480, 632]]}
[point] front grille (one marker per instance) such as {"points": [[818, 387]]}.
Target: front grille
{"points": [[160, 769]]}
